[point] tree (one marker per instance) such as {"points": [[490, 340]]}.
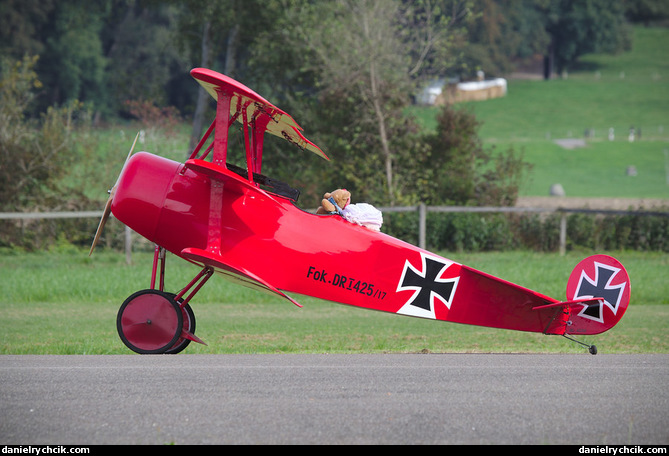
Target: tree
{"points": [[214, 32], [578, 27], [505, 31], [72, 64], [366, 56], [459, 170], [143, 61], [22, 25], [33, 154], [646, 11], [500, 34]]}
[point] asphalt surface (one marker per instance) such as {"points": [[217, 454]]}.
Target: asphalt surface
{"points": [[335, 399]]}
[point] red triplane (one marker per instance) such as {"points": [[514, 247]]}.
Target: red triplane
{"points": [[245, 226]]}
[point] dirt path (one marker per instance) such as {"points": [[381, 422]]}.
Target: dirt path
{"points": [[593, 203]]}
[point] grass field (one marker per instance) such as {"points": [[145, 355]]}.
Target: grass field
{"points": [[605, 91], [66, 303]]}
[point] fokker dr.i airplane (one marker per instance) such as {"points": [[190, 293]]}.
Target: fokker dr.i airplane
{"points": [[245, 226]]}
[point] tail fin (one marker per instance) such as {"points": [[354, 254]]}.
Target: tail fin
{"points": [[605, 280]]}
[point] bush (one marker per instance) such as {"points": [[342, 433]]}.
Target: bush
{"points": [[35, 153], [479, 232]]}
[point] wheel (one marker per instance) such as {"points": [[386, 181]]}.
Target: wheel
{"points": [[149, 322], [188, 325], [592, 349]]}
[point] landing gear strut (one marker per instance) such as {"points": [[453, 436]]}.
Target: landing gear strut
{"points": [[153, 321]]}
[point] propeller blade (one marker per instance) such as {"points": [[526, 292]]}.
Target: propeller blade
{"points": [[101, 225], [127, 158], [107, 210]]}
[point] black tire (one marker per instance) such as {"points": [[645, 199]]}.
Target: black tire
{"points": [[188, 325]]}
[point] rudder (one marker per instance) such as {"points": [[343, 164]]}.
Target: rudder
{"points": [[598, 276]]}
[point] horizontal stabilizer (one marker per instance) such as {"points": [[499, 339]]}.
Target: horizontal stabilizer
{"points": [[569, 304]]}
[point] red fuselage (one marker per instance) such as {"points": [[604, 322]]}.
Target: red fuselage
{"points": [[223, 219], [323, 256]]}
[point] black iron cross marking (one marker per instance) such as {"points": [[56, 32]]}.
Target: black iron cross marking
{"points": [[600, 287], [427, 284]]}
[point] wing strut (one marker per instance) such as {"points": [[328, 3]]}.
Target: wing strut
{"points": [[221, 133]]}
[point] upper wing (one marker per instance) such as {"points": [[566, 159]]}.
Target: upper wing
{"points": [[278, 122]]}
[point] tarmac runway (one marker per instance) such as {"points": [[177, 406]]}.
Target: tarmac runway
{"points": [[335, 399]]}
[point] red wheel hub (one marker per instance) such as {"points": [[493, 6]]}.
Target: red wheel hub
{"points": [[149, 321]]}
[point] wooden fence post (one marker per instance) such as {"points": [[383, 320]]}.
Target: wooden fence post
{"points": [[563, 233], [422, 225], [128, 245]]}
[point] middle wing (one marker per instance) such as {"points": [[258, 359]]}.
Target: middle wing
{"points": [[238, 274]]}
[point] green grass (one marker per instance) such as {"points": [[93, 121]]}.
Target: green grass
{"points": [[66, 303], [104, 150], [599, 169], [605, 91]]}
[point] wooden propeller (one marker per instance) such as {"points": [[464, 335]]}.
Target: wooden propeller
{"points": [[107, 210]]}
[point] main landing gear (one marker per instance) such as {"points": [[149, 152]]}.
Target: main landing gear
{"points": [[153, 321]]}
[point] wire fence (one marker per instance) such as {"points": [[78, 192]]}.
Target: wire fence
{"points": [[420, 210], [595, 133]]}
